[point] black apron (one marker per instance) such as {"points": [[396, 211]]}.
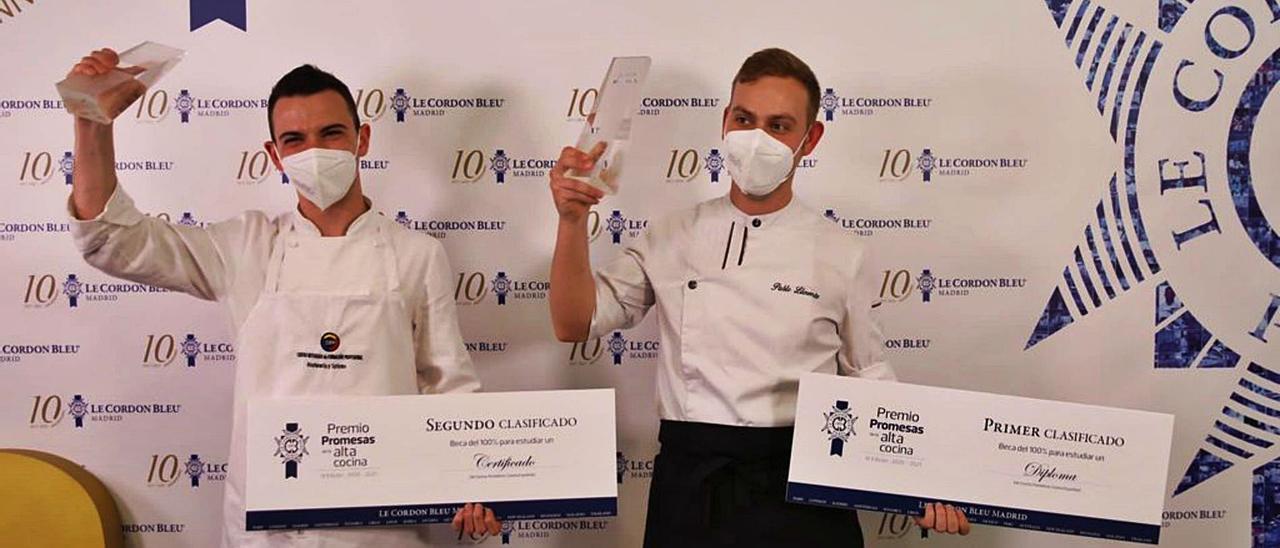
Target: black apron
{"points": [[719, 485]]}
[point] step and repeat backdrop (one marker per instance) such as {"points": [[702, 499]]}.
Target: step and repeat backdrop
{"points": [[1067, 199]]}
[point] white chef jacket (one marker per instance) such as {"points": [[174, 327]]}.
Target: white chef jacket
{"points": [[227, 262], [746, 304]]}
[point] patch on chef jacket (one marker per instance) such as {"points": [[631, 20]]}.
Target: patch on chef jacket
{"points": [[329, 358], [330, 341]]}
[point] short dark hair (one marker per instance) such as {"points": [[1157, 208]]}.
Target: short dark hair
{"points": [[308, 80], [782, 63]]}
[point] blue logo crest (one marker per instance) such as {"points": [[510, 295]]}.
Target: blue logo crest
{"points": [[501, 286], [507, 528], [78, 408], [195, 469], [622, 467], [500, 164], [185, 104], [616, 224], [403, 219], [830, 102], [617, 347], [71, 288], [187, 219], [926, 282], [715, 163], [67, 166], [926, 162], [291, 446], [191, 349], [839, 426], [400, 104]]}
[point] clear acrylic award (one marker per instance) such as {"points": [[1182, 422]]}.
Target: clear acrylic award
{"points": [[102, 97], [610, 120]]}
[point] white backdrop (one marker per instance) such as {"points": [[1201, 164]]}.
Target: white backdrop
{"points": [[1135, 293]]}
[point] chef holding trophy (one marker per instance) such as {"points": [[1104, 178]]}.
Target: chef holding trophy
{"points": [[752, 289], [330, 274]]}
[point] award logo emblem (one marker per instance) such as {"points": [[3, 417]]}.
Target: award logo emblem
{"points": [[839, 426], [291, 446], [622, 466]]}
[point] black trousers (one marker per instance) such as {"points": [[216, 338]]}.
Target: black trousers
{"points": [[716, 485]]}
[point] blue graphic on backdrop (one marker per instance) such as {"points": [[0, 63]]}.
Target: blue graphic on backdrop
{"points": [[234, 12], [501, 287], [617, 347], [67, 166], [1121, 247], [185, 104], [78, 409], [715, 163], [500, 164], [195, 469]]}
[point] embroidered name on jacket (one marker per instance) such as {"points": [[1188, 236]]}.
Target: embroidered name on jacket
{"points": [[798, 290]]}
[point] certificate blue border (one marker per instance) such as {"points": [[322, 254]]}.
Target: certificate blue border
{"points": [[819, 495], [421, 514]]}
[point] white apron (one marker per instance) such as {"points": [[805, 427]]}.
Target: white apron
{"points": [[343, 294]]}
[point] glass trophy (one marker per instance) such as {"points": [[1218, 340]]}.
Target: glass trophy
{"points": [[610, 120], [102, 97]]}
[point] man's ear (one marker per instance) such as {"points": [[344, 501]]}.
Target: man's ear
{"points": [[270, 147], [816, 131], [364, 132]]}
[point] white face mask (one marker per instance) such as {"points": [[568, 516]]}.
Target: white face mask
{"points": [[323, 176], [757, 161]]}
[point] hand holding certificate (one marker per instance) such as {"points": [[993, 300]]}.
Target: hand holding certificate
{"points": [[403, 460], [1003, 460]]}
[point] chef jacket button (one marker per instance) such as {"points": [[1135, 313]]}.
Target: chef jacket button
{"points": [[755, 223], [693, 284]]}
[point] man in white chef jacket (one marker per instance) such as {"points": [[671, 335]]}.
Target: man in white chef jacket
{"points": [[753, 289], [330, 274]]}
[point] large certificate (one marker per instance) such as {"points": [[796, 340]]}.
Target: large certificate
{"points": [[1005, 460], [403, 460]]}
